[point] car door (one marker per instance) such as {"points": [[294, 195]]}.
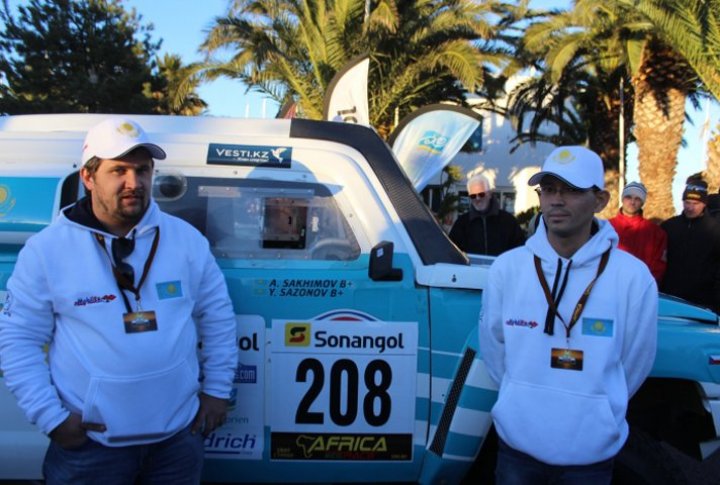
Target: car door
{"points": [[333, 372]]}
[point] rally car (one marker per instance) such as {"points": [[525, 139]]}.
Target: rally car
{"points": [[357, 317]]}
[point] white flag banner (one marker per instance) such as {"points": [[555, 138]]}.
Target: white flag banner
{"points": [[288, 110], [346, 99], [427, 139]]}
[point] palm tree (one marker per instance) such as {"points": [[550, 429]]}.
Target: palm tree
{"points": [[713, 162], [171, 74], [692, 27], [698, 20], [662, 84], [430, 54], [421, 51], [608, 37], [581, 95]]}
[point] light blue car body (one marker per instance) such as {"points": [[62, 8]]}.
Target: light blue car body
{"points": [[388, 383]]}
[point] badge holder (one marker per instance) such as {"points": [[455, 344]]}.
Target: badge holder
{"points": [[137, 321]]}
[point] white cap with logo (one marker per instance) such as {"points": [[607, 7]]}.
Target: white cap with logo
{"points": [[575, 165], [115, 137]]}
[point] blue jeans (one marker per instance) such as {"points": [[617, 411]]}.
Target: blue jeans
{"points": [[517, 468], [174, 461]]}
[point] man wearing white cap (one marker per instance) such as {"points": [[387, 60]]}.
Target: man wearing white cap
{"points": [[121, 292], [638, 236], [567, 332]]}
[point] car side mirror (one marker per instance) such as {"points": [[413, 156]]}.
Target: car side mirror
{"points": [[381, 263]]}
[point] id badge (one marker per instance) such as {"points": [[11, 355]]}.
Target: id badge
{"points": [[136, 322], [567, 359]]}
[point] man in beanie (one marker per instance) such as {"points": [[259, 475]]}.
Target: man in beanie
{"points": [[121, 293], [485, 228], [693, 250], [568, 332], [639, 236]]}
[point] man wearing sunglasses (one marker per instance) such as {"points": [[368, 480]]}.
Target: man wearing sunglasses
{"points": [[121, 293], [568, 333], [485, 228]]}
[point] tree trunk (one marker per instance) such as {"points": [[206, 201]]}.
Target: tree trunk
{"points": [[612, 185], [659, 114], [713, 163], [659, 133]]}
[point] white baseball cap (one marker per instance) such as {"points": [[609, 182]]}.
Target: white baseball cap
{"points": [[576, 166], [115, 137]]}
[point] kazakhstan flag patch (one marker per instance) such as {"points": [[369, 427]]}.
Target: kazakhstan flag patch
{"points": [[598, 327], [169, 289]]}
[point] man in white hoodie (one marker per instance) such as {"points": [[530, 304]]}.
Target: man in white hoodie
{"points": [[568, 333], [121, 292]]}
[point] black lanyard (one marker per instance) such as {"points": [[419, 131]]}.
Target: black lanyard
{"points": [[552, 302], [121, 280]]}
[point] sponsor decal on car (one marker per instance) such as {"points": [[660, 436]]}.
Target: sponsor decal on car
{"points": [[249, 155], [433, 142], [336, 446]]}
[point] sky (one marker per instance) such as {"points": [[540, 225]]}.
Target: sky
{"points": [[182, 25]]}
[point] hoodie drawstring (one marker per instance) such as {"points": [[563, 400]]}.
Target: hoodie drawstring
{"points": [[556, 297]]}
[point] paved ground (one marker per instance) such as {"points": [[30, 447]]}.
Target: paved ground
{"points": [[689, 470], [706, 472], [694, 472]]}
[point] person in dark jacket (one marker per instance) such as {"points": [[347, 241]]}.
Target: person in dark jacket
{"points": [[693, 251], [485, 228], [713, 205]]}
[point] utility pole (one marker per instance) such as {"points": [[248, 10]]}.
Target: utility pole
{"points": [[621, 136]]}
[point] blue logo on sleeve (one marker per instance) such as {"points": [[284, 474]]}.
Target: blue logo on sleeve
{"points": [[169, 289], [598, 327]]}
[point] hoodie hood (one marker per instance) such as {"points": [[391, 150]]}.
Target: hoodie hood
{"points": [[599, 242]]}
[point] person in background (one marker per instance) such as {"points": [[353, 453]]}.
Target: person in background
{"points": [[485, 228], [693, 250], [120, 293], [713, 205], [638, 236], [568, 331]]}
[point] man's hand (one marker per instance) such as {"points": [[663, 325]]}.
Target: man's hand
{"points": [[72, 433], [211, 415]]}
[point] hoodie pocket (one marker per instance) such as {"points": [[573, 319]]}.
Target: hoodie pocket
{"points": [[143, 408], [557, 426]]}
